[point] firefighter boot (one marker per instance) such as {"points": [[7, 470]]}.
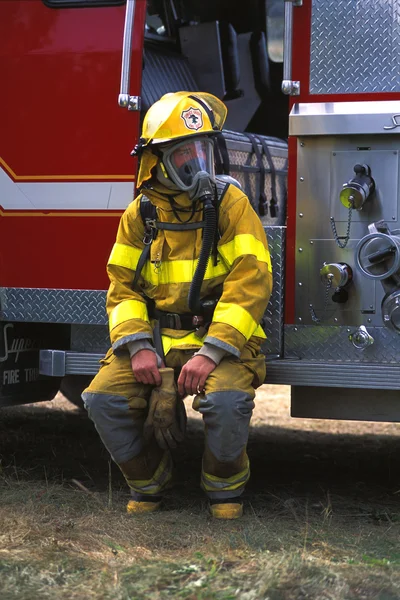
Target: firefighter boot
{"points": [[226, 509], [148, 475], [229, 475], [140, 504]]}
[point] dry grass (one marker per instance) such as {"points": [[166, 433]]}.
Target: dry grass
{"points": [[322, 515]]}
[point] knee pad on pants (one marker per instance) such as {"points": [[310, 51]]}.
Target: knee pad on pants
{"points": [[119, 431], [227, 417]]}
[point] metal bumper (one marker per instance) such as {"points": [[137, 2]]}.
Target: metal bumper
{"points": [[57, 363], [337, 375]]}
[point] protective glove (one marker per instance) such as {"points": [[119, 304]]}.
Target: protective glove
{"points": [[166, 419]]}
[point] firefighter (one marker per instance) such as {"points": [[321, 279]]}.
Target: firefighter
{"points": [[190, 279]]}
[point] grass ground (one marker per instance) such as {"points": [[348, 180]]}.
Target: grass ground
{"points": [[322, 519]]}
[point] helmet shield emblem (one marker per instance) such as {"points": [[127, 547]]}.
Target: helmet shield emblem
{"points": [[192, 118]]}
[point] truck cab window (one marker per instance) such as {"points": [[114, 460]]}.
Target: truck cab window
{"points": [[161, 21], [275, 29]]}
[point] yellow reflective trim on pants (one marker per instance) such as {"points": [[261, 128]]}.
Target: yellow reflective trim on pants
{"points": [[211, 483], [124, 256], [158, 482], [242, 244], [235, 316], [188, 340], [128, 309], [176, 271]]}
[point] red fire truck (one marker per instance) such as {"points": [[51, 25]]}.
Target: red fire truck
{"points": [[313, 84]]}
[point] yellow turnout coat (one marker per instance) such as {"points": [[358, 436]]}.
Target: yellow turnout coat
{"points": [[243, 267]]}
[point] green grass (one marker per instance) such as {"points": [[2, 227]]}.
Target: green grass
{"points": [[322, 519]]}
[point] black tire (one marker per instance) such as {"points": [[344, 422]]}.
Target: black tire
{"points": [[72, 387]]}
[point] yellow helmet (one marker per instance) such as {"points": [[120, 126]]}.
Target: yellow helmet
{"points": [[177, 115]]}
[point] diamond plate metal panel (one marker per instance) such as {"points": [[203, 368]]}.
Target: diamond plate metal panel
{"points": [[90, 338], [355, 46], [332, 345], [274, 313], [53, 306]]}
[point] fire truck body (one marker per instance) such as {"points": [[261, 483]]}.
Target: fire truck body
{"points": [[66, 176]]}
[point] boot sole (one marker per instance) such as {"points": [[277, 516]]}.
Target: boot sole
{"points": [[135, 507], [226, 511]]}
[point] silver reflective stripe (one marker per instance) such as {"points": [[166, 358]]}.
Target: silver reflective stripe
{"points": [[159, 480]]}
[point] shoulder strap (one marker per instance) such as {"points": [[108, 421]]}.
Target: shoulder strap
{"points": [[148, 214], [147, 210], [222, 187]]}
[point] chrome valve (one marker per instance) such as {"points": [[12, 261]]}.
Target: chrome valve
{"points": [[338, 274], [356, 191]]}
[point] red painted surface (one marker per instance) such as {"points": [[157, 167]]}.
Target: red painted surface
{"points": [[57, 252], [59, 116]]}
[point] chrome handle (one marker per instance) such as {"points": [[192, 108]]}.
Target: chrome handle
{"points": [[124, 99], [289, 87]]}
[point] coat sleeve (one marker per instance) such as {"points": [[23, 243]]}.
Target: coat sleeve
{"points": [[127, 310], [247, 288]]}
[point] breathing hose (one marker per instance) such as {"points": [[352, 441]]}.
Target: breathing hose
{"points": [[210, 219]]}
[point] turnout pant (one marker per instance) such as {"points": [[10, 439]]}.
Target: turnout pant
{"points": [[117, 404]]}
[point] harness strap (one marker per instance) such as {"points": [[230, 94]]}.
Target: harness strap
{"points": [[179, 226], [142, 259]]}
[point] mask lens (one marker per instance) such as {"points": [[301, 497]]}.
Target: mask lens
{"points": [[189, 158]]}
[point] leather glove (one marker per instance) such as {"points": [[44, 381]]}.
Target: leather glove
{"points": [[166, 419]]}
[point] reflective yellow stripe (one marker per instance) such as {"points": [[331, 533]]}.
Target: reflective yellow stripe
{"points": [[242, 244], [182, 271], [159, 480], [259, 332], [124, 256], [128, 309], [177, 271], [237, 317], [188, 340]]}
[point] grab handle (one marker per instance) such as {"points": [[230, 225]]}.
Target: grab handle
{"points": [[289, 87], [124, 98]]}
